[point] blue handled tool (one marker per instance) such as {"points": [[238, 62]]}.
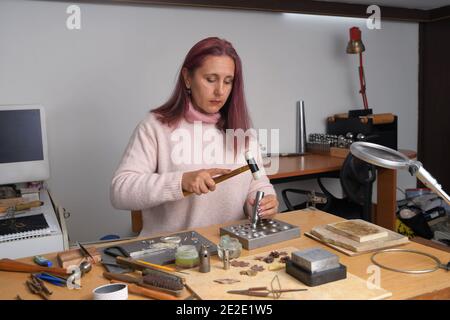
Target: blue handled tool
{"points": [[51, 279]]}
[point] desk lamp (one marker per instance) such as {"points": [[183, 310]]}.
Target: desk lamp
{"points": [[356, 46], [385, 157]]}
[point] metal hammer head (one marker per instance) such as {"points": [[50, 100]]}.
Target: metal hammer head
{"points": [[253, 166]]}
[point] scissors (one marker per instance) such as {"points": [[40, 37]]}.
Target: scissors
{"points": [[263, 292]]}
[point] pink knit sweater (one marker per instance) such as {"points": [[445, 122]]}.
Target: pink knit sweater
{"points": [[150, 172]]}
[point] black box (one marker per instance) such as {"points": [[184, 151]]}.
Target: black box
{"points": [[317, 278], [384, 134]]}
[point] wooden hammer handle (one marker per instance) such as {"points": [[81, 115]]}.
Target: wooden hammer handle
{"points": [[224, 177], [153, 294], [15, 266]]}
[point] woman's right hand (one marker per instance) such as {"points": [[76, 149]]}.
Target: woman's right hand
{"points": [[201, 181]]}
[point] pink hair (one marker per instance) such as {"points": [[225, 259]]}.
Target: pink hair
{"points": [[234, 114]]}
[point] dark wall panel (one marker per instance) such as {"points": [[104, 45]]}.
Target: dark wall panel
{"points": [[434, 100]]}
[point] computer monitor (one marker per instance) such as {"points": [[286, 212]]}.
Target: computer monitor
{"points": [[23, 144]]}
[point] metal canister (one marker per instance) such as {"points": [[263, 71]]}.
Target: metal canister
{"points": [[205, 265], [301, 131]]}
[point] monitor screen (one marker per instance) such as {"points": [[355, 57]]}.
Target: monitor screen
{"points": [[20, 136], [23, 144]]}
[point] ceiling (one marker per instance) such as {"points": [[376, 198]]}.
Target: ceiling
{"points": [[410, 4]]}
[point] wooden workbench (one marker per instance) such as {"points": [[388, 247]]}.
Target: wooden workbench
{"points": [[403, 286]]}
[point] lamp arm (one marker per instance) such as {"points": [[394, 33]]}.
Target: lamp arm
{"points": [[362, 81], [423, 175]]}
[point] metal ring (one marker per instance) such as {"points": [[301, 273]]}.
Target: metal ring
{"points": [[438, 262]]}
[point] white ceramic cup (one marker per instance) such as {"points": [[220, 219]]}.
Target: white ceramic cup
{"points": [[113, 291]]}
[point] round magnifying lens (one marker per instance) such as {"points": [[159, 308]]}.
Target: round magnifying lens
{"points": [[379, 155]]}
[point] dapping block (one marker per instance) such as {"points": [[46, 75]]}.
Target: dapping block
{"points": [[266, 232]]}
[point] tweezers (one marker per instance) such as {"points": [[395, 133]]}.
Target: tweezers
{"points": [[262, 291]]}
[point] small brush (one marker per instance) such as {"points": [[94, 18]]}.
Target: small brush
{"points": [[161, 279], [140, 282]]}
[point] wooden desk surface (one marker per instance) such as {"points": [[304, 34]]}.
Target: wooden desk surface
{"points": [[311, 163], [402, 286], [305, 165]]}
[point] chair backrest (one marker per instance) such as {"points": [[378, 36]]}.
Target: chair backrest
{"points": [[357, 177], [136, 221]]}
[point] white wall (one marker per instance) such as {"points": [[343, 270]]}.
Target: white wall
{"points": [[97, 83]]}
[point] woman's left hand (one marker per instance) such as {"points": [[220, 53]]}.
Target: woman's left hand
{"points": [[268, 206]]}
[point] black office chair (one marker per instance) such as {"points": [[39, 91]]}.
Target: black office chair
{"points": [[356, 178]]}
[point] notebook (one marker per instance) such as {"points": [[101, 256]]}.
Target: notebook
{"points": [[24, 227]]}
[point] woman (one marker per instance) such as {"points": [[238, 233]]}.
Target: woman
{"points": [[181, 146]]}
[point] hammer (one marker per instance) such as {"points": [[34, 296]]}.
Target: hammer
{"points": [[251, 165]]}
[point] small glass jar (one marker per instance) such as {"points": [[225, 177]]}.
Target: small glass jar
{"points": [[186, 257], [232, 244]]}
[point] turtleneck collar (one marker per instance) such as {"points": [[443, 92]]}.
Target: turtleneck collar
{"points": [[192, 115]]}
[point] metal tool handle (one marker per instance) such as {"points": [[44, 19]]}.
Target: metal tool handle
{"points": [[255, 217], [288, 290], [226, 259], [424, 176]]}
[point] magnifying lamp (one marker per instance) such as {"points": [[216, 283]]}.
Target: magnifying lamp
{"points": [[385, 157]]}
